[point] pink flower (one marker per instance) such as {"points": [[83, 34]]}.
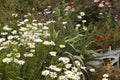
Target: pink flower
{"points": [[101, 5], [107, 3], [96, 0], [68, 7]]}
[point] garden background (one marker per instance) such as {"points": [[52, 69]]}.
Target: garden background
{"points": [[55, 39]]}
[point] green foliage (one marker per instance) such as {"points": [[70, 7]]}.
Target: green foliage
{"points": [[79, 41]]}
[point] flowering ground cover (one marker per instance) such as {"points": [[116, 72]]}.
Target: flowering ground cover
{"points": [[55, 39]]}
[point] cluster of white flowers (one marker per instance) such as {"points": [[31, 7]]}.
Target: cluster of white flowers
{"points": [[72, 73], [82, 14], [116, 17], [51, 73], [15, 59], [80, 17], [28, 35], [8, 60], [32, 33], [12, 39], [69, 71], [66, 69], [8, 41]]}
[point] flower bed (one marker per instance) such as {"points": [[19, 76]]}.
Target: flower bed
{"points": [[55, 41]]}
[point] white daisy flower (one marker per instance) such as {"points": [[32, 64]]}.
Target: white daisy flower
{"points": [[53, 53], [66, 60], [45, 72], [57, 69], [21, 62], [68, 66], [84, 21], [61, 77], [104, 79], [105, 75], [92, 70], [82, 13], [53, 74], [68, 72], [52, 67], [77, 62], [7, 60], [65, 22], [79, 17], [74, 69]]}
